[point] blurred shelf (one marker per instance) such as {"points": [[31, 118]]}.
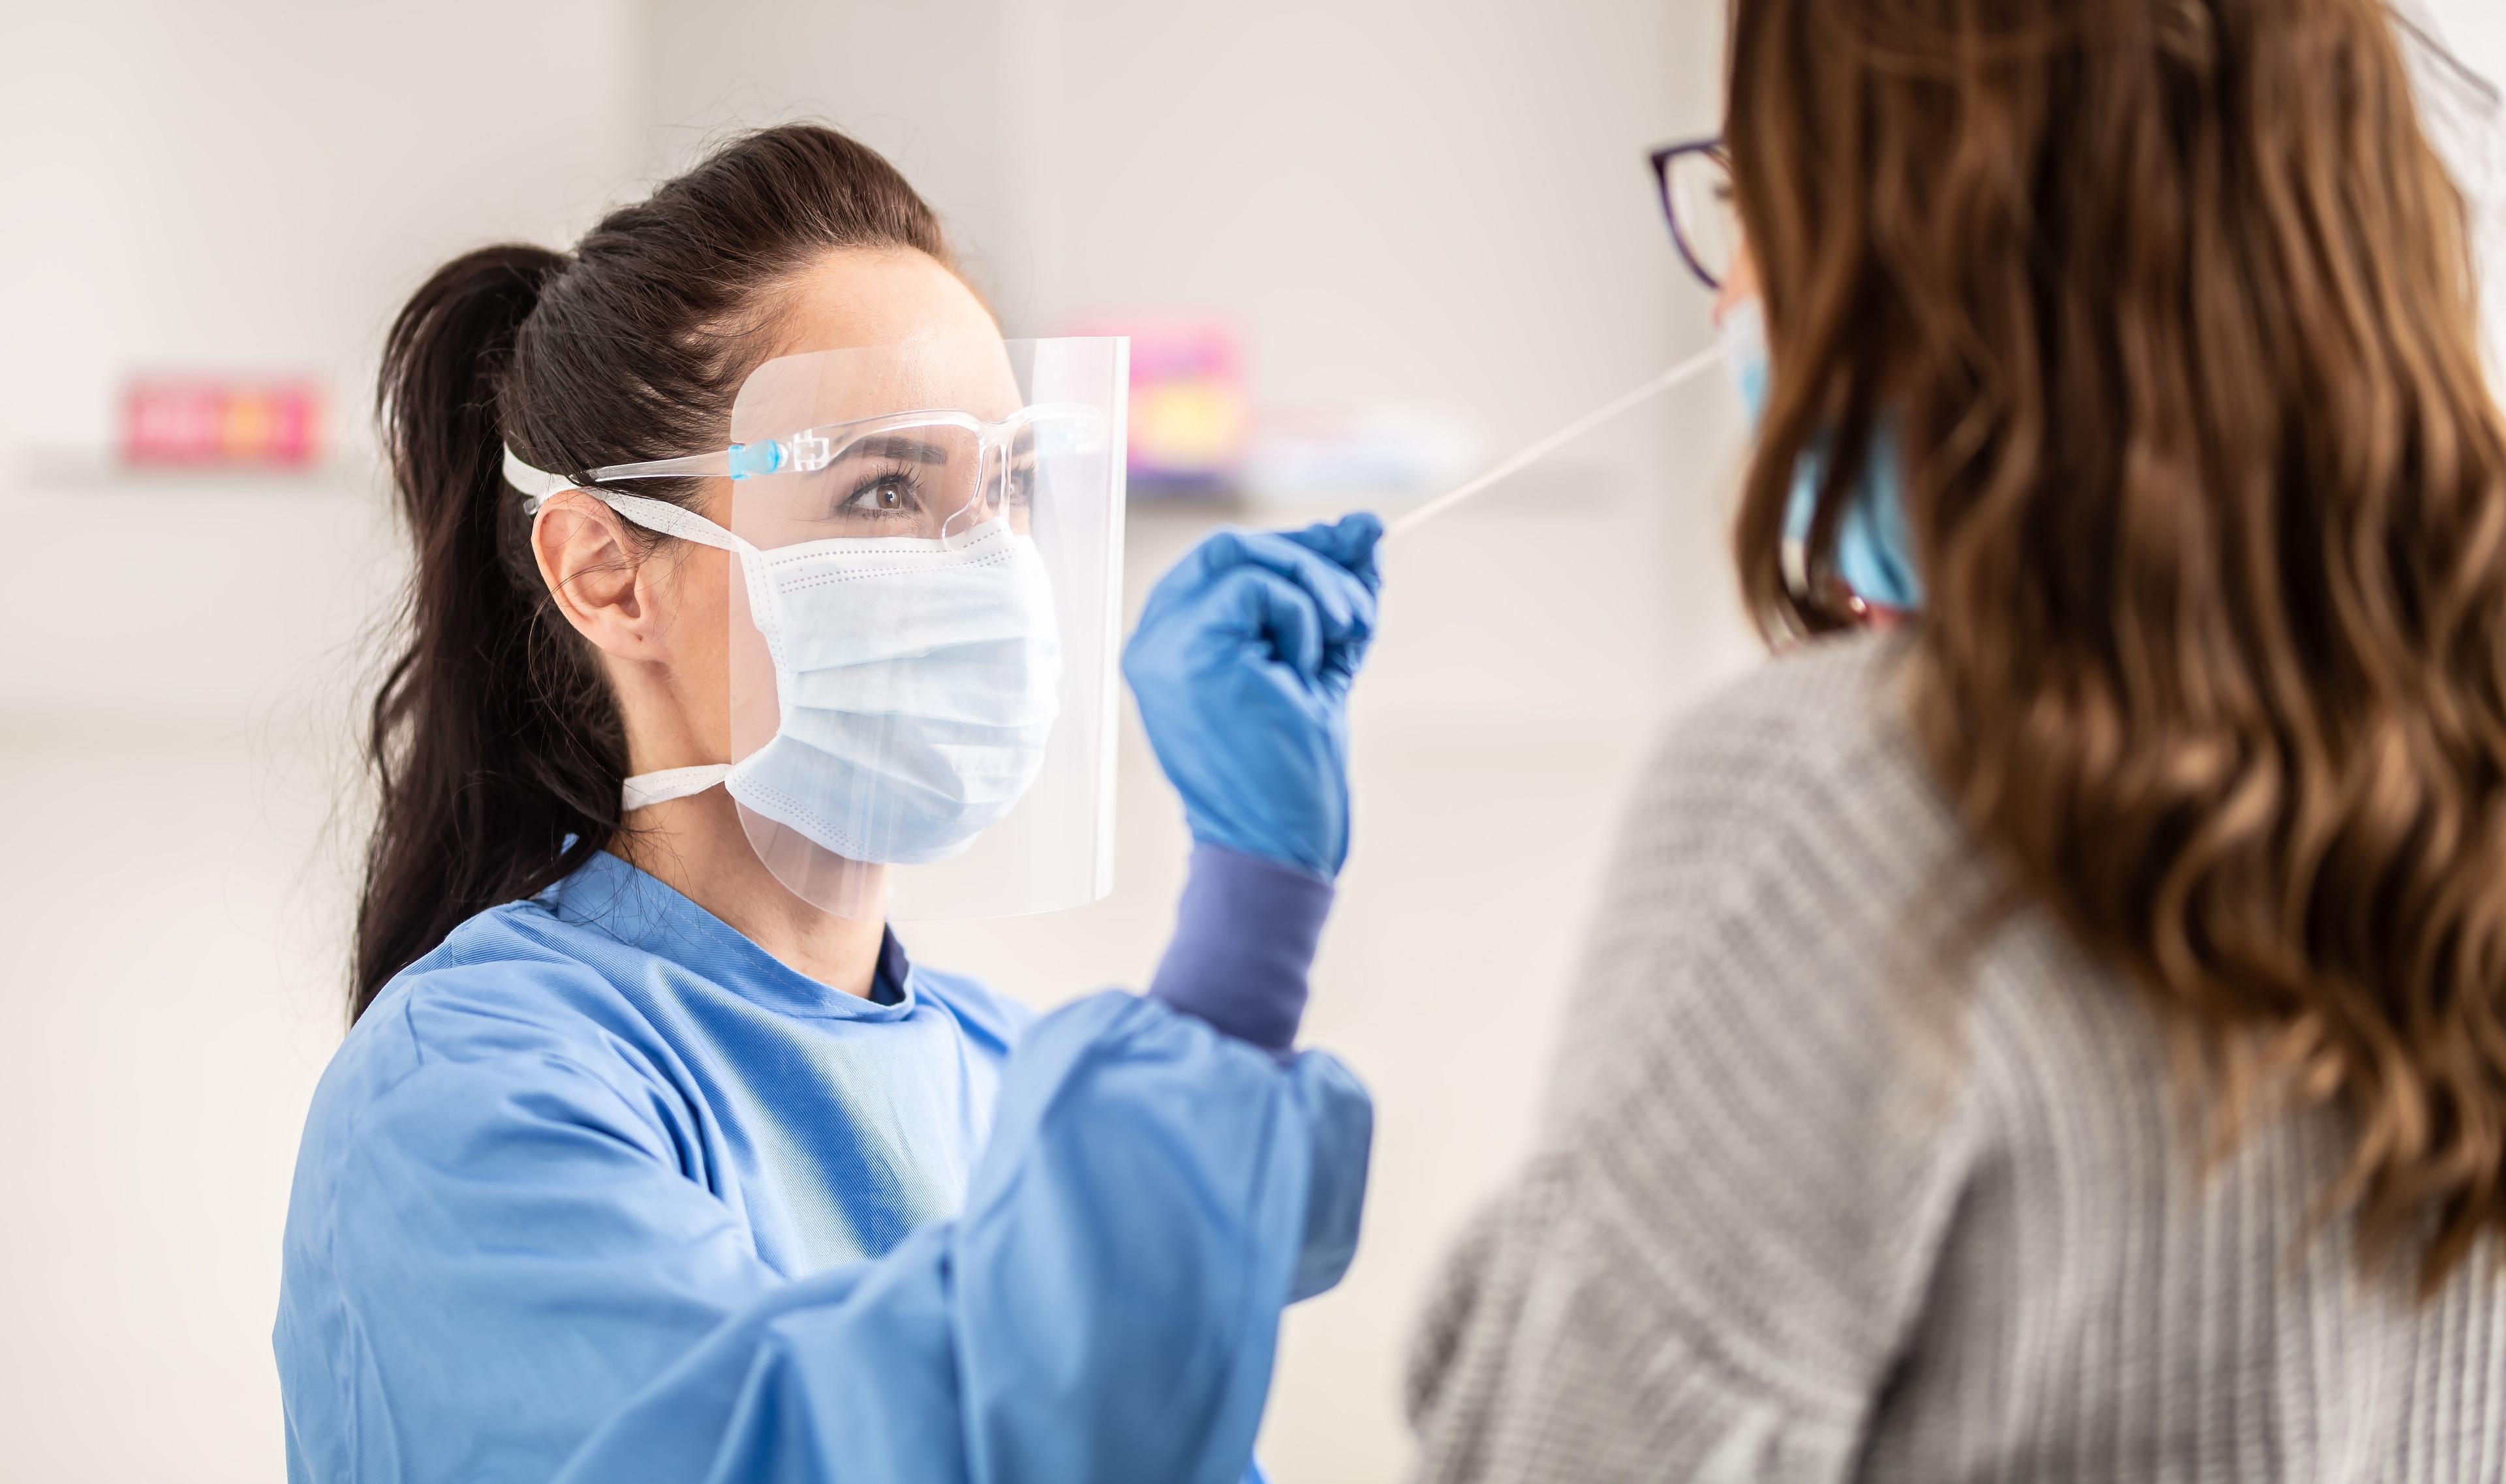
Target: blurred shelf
{"points": [[88, 471]]}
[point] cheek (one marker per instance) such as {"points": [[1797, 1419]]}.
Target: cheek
{"points": [[1726, 299], [1740, 288], [698, 624]]}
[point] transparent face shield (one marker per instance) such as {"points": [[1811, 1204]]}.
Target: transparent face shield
{"points": [[923, 698], [923, 636]]}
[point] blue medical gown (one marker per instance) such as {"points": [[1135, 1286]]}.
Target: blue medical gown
{"points": [[599, 1190]]}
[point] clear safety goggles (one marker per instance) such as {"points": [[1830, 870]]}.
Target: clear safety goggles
{"points": [[927, 474]]}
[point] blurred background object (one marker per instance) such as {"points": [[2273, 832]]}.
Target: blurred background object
{"points": [[1189, 414], [198, 422], [1392, 236], [2457, 48]]}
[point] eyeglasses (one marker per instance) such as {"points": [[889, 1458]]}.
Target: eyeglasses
{"points": [[933, 474], [1696, 181]]}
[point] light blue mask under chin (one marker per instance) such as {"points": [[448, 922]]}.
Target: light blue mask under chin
{"points": [[1873, 554]]}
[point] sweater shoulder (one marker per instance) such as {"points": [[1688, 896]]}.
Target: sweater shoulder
{"points": [[1759, 1124], [1819, 714], [1801, 776]]}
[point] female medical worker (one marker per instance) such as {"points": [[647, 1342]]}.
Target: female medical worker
{"points": [[638, 1163], [2064, 1037]]}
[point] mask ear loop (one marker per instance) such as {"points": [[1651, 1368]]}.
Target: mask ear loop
{"points": [[644, 790]]}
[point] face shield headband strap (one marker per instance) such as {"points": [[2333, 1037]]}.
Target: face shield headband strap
{"points": [[536, 486]]}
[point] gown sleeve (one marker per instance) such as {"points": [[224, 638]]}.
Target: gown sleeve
{"points": [[521, 1282]]}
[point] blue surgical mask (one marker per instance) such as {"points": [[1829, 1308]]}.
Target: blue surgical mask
{"points": [[917, 683], [1873, 554]]}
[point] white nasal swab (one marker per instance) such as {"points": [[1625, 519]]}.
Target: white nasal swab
{"points": [[1528, 456]]}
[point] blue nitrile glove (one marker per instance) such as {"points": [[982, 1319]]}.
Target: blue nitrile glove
{"points": [[1241, 666]]}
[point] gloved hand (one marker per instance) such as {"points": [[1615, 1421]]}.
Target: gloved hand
{"points": [[1241, 666]]}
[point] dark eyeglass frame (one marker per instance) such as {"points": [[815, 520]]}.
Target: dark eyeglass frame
{"points": [[1664, 159]]}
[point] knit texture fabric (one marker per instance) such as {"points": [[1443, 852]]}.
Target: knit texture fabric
{"points": [[1811, 1203]]}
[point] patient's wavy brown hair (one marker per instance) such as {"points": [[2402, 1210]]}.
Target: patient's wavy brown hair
{"points": [[2169, 307]]}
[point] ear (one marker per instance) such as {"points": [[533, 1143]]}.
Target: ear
{"points": [[599, 576]]}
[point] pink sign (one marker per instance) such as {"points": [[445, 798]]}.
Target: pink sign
{"points": [[1190, 413], [207, 421]]}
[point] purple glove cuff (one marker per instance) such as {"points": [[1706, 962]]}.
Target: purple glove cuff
{"points": [[1245, 933]]}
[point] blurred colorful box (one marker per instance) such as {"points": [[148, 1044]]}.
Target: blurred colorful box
{"points": [[1189, 414], [216, 421]]}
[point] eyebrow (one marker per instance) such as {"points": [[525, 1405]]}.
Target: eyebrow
{"points": [[904, 450]]}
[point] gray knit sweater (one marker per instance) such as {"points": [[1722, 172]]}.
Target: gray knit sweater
{"points": [[1798, 1214]]}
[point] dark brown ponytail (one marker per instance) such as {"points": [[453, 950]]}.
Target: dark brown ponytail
{"points": [[496, 744]]}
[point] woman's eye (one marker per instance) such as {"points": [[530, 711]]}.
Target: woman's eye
{"points": [[890, 493]]}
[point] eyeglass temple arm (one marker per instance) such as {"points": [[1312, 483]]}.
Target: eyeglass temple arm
{"points": [[690, 466], [806, 449]]}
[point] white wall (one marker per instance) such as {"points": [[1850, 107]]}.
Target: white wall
{"points": [[2475, 30], [238, 186], [254, 182]]}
